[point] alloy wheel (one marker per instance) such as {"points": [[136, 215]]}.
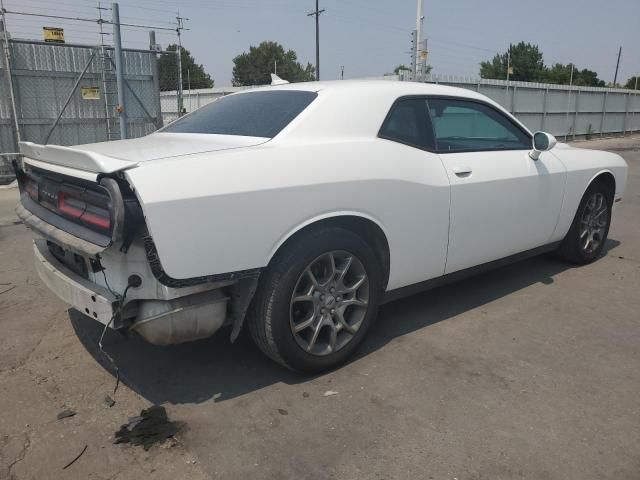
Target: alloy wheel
{"points": [[593, 224], [329, 302]]}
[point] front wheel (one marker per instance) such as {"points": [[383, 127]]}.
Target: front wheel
{"points": [[588, 233], [316, 300]]}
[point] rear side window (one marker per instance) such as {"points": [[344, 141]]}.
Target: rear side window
{"points": [[408, 123], [461, 125], [252, 114]]}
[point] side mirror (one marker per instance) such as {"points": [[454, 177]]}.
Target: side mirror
{"points": [[542, 142]]}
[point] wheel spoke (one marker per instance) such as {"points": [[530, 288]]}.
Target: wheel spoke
{"points": [[345, 269], [333, 337], [304, 324], [599, 213], [312, 277], [316, 332], [354, 301], [342, 322], [356, 285], [303, 298]]}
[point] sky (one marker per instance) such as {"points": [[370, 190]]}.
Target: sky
{"points": [[367, 37]]}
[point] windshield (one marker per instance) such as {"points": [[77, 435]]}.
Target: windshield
{"points": [[254, 114]]}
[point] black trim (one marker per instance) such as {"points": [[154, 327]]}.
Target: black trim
{"points": [[156, 268], [450, 97], [398, 293]]}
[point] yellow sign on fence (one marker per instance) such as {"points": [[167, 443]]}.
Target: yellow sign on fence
{"points": [[90, 93], [53, 34]]}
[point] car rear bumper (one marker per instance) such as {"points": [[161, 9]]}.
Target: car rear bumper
{"points": [[161, 322], [93, 300]]}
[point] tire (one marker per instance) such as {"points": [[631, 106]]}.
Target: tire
{"points": [[592, 221], [294, 298]]}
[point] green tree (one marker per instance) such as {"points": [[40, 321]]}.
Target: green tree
{"points": [[588, 78], [561, 75], [400, 67], [192, 73], [633, 82], [526, 63], [254, 67]]}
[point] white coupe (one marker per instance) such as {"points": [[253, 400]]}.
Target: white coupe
{"points": [[298, 209]]}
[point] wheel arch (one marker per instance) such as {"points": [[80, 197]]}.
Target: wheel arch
{"points": [[607, 178], [366, 226]]}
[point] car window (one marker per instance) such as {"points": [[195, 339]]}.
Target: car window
{"points": [[461, 125], [408, 122], [252, 114]]}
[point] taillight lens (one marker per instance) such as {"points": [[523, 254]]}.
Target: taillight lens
{"points": [[78, 209]]}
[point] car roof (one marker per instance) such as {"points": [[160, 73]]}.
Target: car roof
{"points": [[392, 87]]}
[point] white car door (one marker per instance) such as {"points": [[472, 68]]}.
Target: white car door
{"points": [[502, 201]]}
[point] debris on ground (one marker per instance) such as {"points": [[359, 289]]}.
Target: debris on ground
{"points": [[150, 427], [169, 443], [7, 287], [66, 414], [305, 394], [108, 401], [329, 393], [282, 411], [76, 458], [216, 396]]}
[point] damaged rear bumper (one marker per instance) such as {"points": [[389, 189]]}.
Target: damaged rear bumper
{"points": [[159, 321], [85, 296]]}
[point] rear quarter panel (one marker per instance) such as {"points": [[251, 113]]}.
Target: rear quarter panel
{"points": [[583, 166], [230, 211]]}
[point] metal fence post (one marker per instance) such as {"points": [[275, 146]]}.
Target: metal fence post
{"points": [[156, 78], [6, 46], [626, 113], [575, 118], [544, 108], [604, 112], [117, 43]]}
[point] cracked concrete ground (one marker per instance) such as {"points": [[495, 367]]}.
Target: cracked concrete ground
{"points": [[530, 371]]}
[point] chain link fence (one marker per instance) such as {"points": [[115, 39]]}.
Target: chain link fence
{"points": [[67, 94]]}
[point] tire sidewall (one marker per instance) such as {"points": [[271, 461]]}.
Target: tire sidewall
{"points": [[280, 284]]}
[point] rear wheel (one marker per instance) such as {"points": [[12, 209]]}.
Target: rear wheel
{"points": [[588, 233], [316, 300]]}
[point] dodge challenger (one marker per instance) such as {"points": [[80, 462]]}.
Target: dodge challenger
{"points": [[296, 210]]}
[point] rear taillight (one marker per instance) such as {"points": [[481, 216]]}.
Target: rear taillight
{"points": [[91, 215]]}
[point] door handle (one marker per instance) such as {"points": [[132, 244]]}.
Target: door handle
{"points": [[462, 172]]}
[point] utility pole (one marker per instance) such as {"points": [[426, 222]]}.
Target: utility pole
{"points": [[414, 54], [342, 72], [509, 63], [615, 77], [418, 40], [117, 45], [317, 15], [179, 62]]}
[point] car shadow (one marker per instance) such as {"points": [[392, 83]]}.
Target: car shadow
{"points": [[214, 368]]}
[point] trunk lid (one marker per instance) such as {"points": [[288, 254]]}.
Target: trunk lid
{"points": [[109, 157]]}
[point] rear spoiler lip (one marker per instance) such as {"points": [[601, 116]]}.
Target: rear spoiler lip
{"points": [[70, 157]]}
